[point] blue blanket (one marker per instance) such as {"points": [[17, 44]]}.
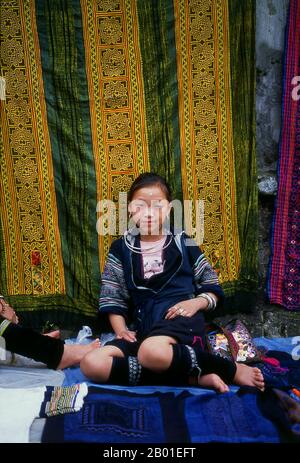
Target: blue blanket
{"points": [[163, 414], [110, 416], [119, 417]]}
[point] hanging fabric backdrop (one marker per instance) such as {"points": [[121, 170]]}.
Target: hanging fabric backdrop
{"points": [[284, 266], [99, 91]]}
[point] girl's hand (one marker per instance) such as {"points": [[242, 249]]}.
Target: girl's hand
{"points": [[127, 335], [186, 308]]}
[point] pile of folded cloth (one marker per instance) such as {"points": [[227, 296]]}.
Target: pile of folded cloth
{"points": [[20, 406]]}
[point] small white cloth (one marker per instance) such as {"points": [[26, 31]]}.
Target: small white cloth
{"points": [[68, 399], [18, 409]]}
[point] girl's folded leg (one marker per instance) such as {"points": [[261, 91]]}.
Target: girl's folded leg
{"points": [[229, 372], [210, 370], [115, 363]]}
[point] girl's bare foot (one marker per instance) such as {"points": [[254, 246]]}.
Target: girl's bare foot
{"points": [[249, 376], [74, 353], [212, 381], [53, 334]]}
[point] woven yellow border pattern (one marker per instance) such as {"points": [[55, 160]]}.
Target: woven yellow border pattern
{"points": [[207, 157], [116, 92], [29, 221]]}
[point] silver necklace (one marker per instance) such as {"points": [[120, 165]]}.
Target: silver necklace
{"points": [[138, 250]]}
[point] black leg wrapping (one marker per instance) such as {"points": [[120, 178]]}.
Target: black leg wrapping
{"points": [[210, 363], [187, 361], [29, 343], [125, 371], [182, 366], [193, 361]]}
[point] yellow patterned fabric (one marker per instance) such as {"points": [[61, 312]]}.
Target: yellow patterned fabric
{"points": [[97, 92], [202, 36], [116, 98], [31, 239]]}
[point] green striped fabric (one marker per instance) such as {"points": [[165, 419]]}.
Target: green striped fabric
{"points": [[55, 276]]}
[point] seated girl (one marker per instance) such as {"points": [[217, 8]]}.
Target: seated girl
{"points": [[157, 282]]}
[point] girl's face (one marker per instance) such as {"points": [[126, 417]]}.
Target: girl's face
{"points": [[149, 208]]}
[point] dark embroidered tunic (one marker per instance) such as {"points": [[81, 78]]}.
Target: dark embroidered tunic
{"points": [[143, 302]]}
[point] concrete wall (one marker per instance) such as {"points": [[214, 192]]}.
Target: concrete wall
{"points": [[271, 15]]}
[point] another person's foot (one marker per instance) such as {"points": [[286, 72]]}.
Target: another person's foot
{"points": [[290, 406], [213, 381], [249, 376], [74, 353], [53, 334], [7, 312]]}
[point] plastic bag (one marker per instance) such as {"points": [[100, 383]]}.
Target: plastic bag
{"points": [[82, 336], [105, 337]]}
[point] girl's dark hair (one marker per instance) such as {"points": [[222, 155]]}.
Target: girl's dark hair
{"points": [[150, 179]]}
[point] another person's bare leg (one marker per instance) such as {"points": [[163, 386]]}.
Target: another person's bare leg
{"points": [[74, 353], [53, 334], [290, 405]]}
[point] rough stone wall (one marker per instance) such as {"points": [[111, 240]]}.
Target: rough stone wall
{"points": [[271, 15]]}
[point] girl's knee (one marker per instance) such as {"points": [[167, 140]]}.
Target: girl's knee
{"points": [[95, 366], [152, 354], [88, 364]]}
